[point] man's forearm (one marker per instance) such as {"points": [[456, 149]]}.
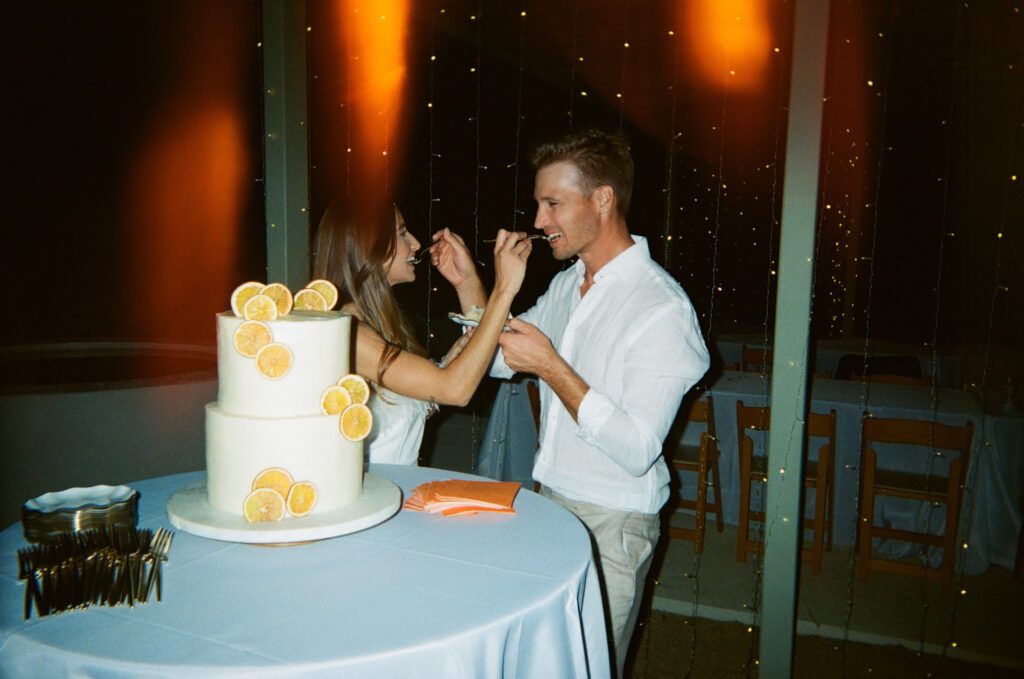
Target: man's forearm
{"points": [[566, 383]]}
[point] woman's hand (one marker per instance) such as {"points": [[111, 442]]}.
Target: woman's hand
{"points": [[511, 250], [452, 258]]}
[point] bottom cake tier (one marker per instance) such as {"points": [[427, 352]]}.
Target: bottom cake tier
{"points": [[309, 448]]}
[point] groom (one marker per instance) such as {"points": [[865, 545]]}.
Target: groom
{"points": [[616, 345]]}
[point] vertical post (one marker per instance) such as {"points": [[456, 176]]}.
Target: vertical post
{"points": [[786, 441], [285, 149]]}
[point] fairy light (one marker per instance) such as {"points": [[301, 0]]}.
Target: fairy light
{"points": [[519, 121], [475, 441], [625, 63], [573, 61], [432, 198]]}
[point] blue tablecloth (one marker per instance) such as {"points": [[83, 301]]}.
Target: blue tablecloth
{"points": [[991, 514], [417, 596]]}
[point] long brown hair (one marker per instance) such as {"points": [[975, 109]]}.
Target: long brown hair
{"points": [[354, 243]]}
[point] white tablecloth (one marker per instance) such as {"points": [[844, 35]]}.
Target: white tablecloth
{"points": [[418, 596]]}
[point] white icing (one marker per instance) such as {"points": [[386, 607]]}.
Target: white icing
{"points": [[311, 448], [319, 342], [258, 423]]}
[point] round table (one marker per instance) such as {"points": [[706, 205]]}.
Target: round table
{"points": [[420, 595]]}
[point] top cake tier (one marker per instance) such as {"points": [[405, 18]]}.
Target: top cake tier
{"points": [[319, 344]]}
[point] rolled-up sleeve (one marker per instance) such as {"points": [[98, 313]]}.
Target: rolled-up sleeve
{"points": [[665, 358]]}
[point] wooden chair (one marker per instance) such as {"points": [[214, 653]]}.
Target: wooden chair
{"points": [[1018, 568], [756, 359], [818, 474], [853, 366], [897, 379], [533, 392], [699, 459], [1018, 564], [931, 488]]}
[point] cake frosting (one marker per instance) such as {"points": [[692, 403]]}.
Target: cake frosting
{"points": [[259, 423]]}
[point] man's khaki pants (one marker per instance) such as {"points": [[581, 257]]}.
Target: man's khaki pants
{"points": [[625, 543]]}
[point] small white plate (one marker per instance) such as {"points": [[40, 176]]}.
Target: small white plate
{"points": [[78, 498], [79, 509], [468, 322], [462, 320]]}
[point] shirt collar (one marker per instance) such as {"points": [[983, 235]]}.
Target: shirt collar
{"points": [[622, 264]]}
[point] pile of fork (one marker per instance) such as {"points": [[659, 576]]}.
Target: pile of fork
{"points": [[105, 567]]}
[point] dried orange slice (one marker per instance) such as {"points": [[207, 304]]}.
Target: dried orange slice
{"points": [[274, 360], [355, 422], [334, 400], [356, 387], [242, 294], [260, 308], [327, 289], [250, 337], [308, 299], [281, 295], [275, 478], [263, 504], [301, 498]]}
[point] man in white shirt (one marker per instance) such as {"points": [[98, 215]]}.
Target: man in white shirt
{"points": [[616, 345]]}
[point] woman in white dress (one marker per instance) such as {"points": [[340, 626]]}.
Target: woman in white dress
{"points": [[365, 250]]}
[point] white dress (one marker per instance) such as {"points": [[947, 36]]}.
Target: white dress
{"points": [[397, 432]]}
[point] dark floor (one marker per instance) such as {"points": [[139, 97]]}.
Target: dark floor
{"points": [[672, 646], [969, 624]]}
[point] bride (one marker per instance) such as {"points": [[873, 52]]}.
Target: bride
{"points": [[364, 251]]}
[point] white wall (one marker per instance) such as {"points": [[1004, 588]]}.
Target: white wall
{"points": [[52, 441]]}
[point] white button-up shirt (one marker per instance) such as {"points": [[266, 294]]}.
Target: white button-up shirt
{"points": [[635, 340]]}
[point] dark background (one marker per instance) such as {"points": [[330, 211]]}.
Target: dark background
{"points": [[915, 185]]}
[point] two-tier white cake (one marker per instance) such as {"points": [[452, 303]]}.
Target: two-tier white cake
{"points": [[258, 423]]}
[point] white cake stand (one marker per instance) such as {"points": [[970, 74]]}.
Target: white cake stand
{"points": [[189, 510]]}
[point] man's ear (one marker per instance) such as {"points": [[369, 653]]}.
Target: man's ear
{"points": [[604, 198]]}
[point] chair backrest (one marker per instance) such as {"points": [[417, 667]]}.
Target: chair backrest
{"points": [[925, 433], [853, 366], [751, 417], [758, 418], [533, 391], [704, 411], [897, 379], [756, 359]]}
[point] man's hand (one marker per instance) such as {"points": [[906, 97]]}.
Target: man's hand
{"points": [[527, 349]]}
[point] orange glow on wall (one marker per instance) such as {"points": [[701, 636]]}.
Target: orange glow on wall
{"points": [[728, 41], [185, 191], [184, 208], [375, 51]]}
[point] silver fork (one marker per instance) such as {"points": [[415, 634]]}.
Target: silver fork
{"points": [[532, 236]]}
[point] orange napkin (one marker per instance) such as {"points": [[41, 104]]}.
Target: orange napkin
{"points": [[463, 497]]}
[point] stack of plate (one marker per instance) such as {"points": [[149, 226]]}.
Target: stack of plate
{"points": [[79, 509]]}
